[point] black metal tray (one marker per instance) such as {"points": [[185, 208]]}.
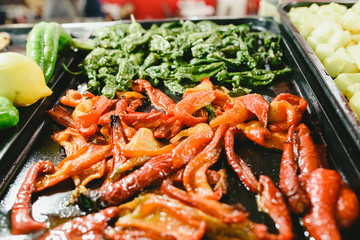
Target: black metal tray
{"points": [[344, 119], [51, 203]]}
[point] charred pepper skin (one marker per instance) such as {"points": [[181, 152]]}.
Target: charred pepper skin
{"points": [[9, 115]]}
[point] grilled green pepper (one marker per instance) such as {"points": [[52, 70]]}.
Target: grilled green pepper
{"points": [[45, 41], [9, 115]]}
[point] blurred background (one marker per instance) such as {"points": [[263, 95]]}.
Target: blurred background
{"points": [[30, 11], [62, 11]]}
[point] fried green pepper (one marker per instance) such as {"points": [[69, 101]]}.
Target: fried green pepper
{"points": [[9, 115], [45, 41]]}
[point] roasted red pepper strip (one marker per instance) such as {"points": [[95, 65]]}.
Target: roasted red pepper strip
{"points": [[191, 146], [105, 118], [169, 128], [119, 141], [289, 182], [152, 212], [134, 105], [224, 212], [71, 140], [183, 222], [91, 226], [157, 97], [323, 188], [72, 165], [308, 155], [270, 200], [285, 110], [237, 164], [205, 84], [190, 104], [61, 116], [72, 98], [140, 117], [148, 152], [156, 168], [195, 179], [254, 131], [347, 207], [256, 104], [21, 221], [92, 117], [235, 112]]}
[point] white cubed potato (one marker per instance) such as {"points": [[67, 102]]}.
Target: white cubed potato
{"points": [[356, 7], [351, 21], [313, 8], [349, 62], [350, 44], [355, 104], [313, 42], [325, 30], [324, 50], [339, 39], [338, 8], [354, 51], [334, 65], [305, 30], [325, 9], [355, 37], [327, 18], [297, 14], [351, 90], [346, 79]]}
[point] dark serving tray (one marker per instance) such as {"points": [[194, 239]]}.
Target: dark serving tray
{"points": [[31, 140], [345, 120]]}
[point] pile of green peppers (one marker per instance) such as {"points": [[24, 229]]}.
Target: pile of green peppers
{"points": [[9, 115]]}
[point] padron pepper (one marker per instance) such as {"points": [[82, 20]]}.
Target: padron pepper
{"points": [[9, 115], [45, 41]]}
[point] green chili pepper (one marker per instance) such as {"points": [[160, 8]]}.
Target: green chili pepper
{"points": [[9, 115], [45, 41]]}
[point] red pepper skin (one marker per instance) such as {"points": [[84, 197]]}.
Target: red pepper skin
{"points": [[347, 207], [270, 200], [90, 226], [140, 117], [169, 128], [61, 116], [21, 221], [86, 120], [285, 110], [237, 164], [191, 146], [134, 105], [289, 181], [72, 165], [190, 104], [323, 188], [156, 96], [224, 212], [256, 104], [156, 168], [119, 140], [235, 112], [308, 155], [195, 179]]}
